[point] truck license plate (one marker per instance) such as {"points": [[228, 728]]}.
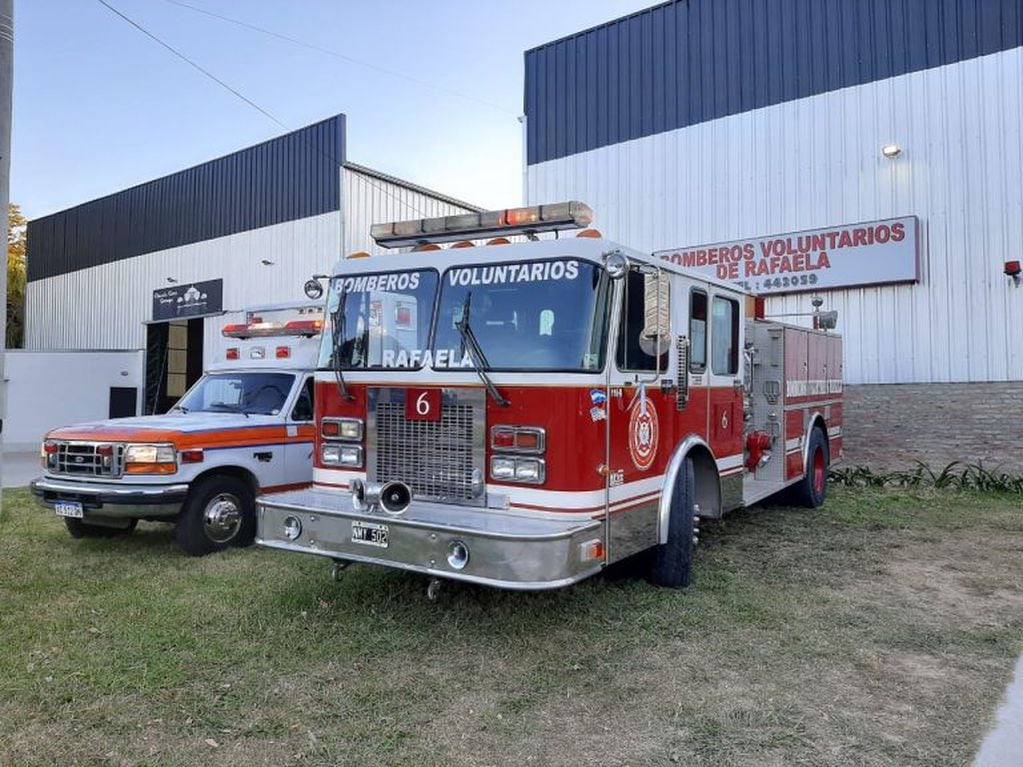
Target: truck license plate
{"points": [[68, 509], [369, 534]]}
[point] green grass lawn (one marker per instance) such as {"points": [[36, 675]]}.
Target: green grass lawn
{"points": [[879, 630]]}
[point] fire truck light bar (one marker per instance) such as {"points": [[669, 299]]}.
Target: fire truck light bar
{"points": [[469, 226]]}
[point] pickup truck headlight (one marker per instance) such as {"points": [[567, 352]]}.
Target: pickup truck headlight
{"points": [[150, 459]]}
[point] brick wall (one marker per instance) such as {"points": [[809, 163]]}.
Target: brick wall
{"points": [[891, 426]]}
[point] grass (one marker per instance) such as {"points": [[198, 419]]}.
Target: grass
{"points": [[878, 630]]}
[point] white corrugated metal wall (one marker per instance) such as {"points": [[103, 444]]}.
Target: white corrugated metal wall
{"points": [[106, 306], [816, 162]]}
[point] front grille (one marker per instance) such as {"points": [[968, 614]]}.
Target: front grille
{"points": [[439, 460], [82, 459]]}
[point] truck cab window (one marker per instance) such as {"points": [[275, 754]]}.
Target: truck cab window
{"points": [[643, 322], [303, 410], [698, 331], [725, 337]]}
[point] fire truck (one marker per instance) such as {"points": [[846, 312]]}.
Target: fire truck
{"points": [[245, 427], [552, 405]]}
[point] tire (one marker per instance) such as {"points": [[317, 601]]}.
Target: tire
{"points": [[220, 511], [673, 561], [812, 489], [79, 529]]}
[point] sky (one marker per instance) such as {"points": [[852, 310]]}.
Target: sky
{"points": [[99, 107]]}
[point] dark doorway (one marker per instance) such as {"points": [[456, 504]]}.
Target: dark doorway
{"points": [[173, 361], [123, 401]]}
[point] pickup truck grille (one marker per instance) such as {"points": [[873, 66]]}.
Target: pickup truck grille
{"points": [[83, 459], [439, 460]]}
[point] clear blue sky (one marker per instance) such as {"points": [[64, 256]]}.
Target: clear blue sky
{"points": [[99, 107]]}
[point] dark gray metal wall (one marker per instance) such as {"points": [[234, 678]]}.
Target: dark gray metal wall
{"points": [[290, 177], [689, 61]]}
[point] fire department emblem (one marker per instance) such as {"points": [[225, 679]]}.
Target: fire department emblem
{"points": [[643, 432]]}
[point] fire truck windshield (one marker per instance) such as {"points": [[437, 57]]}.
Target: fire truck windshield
{"points": [[251, 393], [379, 320], [537, 315]]}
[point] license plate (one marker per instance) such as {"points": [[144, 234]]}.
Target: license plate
{"points": [[68, 509], [369, 534]]}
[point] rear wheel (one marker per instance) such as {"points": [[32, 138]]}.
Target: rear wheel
{"points": [[79, 529], [813, 488], [673, 560], [220, 512]]}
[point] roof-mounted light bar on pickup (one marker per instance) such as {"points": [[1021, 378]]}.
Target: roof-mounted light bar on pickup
{"points": [[472, 226]]}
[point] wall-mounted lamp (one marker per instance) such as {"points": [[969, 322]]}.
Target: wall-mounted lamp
{"points": [[1013, 271], [891, 151], [266, 262], [172, 281]]}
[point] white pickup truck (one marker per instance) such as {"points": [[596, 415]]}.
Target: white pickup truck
{"points": [[245, 428]]}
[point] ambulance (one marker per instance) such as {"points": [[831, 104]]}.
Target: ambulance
{"points": [[522, 414], [244, 428]]}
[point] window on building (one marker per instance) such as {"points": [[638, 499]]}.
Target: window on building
{"points": [[644, 323], [698, 331], [725, 337]]}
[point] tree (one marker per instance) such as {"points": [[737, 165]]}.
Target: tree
{"points": [[16, 275]]}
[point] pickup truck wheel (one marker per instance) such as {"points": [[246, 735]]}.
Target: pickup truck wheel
{"points": [[79, 529], [813, 488], [673, 560], [219, 512]]}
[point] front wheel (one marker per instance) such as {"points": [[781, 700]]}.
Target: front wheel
{"points": [[812, 489], [673, 560], [220, 512]]}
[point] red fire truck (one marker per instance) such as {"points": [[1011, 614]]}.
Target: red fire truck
{"points": [[523, 414]]}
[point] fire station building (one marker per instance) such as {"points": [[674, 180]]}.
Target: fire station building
{"points": [[164, 265], [866, 152]]}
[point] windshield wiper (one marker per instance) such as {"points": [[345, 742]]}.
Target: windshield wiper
{"points": [[479, 359], [339, 339]]}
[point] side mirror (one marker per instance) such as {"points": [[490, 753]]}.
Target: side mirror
{"points": [[653, 338]]}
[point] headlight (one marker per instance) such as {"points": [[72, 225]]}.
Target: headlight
{"points": [[150, 459], [502, 468], [531, 471], [342, 455]]}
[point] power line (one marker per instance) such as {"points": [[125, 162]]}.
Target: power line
{"points": [[342, 56], [247, 100]]}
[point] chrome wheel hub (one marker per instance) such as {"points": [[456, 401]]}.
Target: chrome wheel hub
{"points": [[222, 517]]}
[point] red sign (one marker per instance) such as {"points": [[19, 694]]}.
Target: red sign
{"points": [[422, 404]]}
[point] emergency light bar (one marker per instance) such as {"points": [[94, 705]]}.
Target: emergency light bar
{"points": [[470, 226], [269, 329]]}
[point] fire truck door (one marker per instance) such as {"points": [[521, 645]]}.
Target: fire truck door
{"points": [[725, 393]]}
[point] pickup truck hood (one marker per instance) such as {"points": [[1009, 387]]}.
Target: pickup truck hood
{"points": [[177, 428]]}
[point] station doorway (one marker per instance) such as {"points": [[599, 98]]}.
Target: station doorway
{"points": [[174, 357]]}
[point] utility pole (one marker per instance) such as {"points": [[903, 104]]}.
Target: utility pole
{"points": [[6, 93]]}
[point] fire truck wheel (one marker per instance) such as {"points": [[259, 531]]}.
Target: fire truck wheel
{"points": [[79, 529], [813, 489], [673, 561], [220, 512]]}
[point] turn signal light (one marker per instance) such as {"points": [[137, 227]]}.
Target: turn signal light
{"points": [[192, 456], [50, 448], [523, 439]]}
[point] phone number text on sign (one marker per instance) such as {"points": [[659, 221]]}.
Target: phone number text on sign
{"points": [[871, 253]]}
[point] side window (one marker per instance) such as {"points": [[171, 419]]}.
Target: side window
{"points": [[644, 322], [303, 410], [724, 339], [698, 331]]}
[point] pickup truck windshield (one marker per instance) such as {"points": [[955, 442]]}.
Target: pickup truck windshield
{"points": [[378, 320], [536, 315], [255, 393]]}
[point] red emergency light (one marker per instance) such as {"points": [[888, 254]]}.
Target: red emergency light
{"points": [[1013, 270], [283, 352], [233, 353]]}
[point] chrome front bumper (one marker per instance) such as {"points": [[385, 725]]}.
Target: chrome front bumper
{"points": [[112, 499], [505, 550]]}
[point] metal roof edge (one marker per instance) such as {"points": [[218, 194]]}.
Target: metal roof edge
{"points": [[602, 25], [410, 186], [340, 116]]}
